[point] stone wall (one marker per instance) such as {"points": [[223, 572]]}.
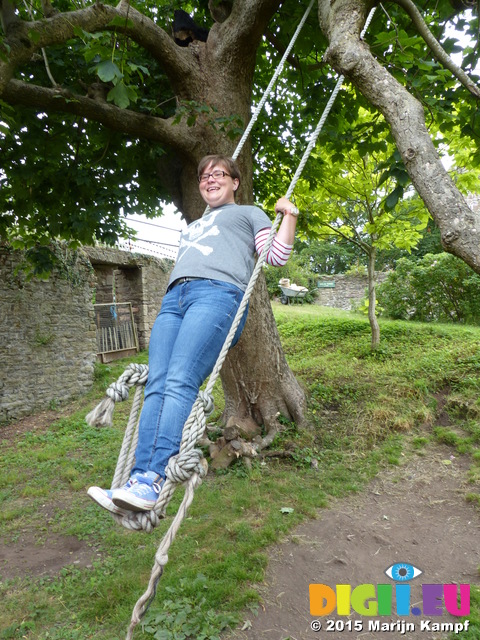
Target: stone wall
{"points": [[47, 337], [348, 292], [48, 341]]}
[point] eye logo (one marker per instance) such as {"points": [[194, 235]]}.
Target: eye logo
{"points": [[403, 572]]}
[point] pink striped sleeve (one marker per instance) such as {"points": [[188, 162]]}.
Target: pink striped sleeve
{"points": [[278, 253]]}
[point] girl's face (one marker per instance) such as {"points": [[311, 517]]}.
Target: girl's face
{"points": [[219, 189]]}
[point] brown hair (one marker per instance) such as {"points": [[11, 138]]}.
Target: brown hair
{"points": [[225, 161]]}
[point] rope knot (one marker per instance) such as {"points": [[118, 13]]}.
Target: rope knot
{"points": [[137, 373], [134, 374], [161, 558], [181, 467], [139, 520], [117, 391], [207, 401]]}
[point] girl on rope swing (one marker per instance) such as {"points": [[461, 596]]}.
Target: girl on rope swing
{"points": [[215, 260]]}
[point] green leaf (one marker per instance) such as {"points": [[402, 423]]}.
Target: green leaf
{"points": [[401, 176], [287, 510], [80, 33], [138, 68], [33, 35], [392, 199], [107, 71], [119, 96]]}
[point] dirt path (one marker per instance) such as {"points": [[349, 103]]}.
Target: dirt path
{"points": [[416, 514]]}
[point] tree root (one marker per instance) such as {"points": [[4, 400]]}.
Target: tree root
{"points": [[241, 438]]}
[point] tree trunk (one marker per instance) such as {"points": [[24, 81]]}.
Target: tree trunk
{"points": [[342, 21], [256, 378], [372, 299]]}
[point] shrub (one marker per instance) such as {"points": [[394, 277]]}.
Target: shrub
{"points": [[437, 287]]}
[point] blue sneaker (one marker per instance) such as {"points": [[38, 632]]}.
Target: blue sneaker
{"points": [[141, 495], [103, 497]]}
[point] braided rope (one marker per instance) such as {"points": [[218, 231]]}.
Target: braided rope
{"points": [[161, 557], [129, 444], [268, 90]]}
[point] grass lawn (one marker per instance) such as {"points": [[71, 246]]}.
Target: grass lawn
{"points": [[366, 410]]}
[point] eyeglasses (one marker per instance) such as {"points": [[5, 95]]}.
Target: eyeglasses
{"points": [[215, 174]]}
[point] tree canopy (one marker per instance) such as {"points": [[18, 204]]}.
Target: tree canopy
{"points": [[104, 113]]}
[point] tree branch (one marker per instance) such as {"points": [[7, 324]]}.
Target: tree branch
{"points": [[175, 61], [244, 27], [60, 27], [44, 53], [122, 120], [438, 51], [355, 239]]}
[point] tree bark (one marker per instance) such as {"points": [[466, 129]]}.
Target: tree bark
{"points": [[261, 387], [372, 298], [342, 21]]}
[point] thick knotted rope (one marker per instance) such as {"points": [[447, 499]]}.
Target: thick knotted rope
{"points": [[161, 557], [117, 392], [180, 468]]}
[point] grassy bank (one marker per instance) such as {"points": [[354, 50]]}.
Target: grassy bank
{"points": [[366, 410]]}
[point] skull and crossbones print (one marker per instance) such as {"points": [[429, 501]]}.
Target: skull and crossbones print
{"points": [[196, 233]]}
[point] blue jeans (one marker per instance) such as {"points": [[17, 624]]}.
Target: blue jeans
{"points": [[185, 342]]}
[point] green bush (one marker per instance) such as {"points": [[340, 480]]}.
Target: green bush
{"points": [[437, 287]]}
